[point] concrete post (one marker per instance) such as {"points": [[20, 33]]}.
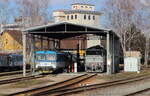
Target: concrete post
{"points": [[113, 54], [33, 52], [24, 53], [75, 67], [48, 41], [41, 39], [109, 61]]}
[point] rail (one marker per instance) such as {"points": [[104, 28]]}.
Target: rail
{"points": [[97, 86], [2, 82], [57, 86], [138, 92], [11, 73]]}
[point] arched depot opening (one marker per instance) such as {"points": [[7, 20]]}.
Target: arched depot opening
{"points": [[59, 34]]}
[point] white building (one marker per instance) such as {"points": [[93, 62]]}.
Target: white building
{"points": [[83, 14], [79, 14]]}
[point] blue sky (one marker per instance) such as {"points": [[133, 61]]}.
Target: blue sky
{"points": [[60, 4], [66, 4]]}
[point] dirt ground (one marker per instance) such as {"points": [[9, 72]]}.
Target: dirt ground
{"points": [[35, 83], [51, 79]]}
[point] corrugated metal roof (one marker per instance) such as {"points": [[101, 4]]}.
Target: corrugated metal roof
{"points": [[82, 4], [55, 24], [64, 30], [79, 11], [82, 11]]}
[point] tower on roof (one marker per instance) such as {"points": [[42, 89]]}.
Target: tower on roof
{"points": [[80, 13], [81, 6]]}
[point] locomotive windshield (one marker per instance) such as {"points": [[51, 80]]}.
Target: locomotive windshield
{"points": [[40, 57], [45, 57], [94, 52], [50, 57]]}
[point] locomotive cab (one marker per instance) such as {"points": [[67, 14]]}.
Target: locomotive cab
{"points": [[50, 61], [95, 59]]}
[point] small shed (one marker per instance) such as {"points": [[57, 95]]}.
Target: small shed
{"points": [[132, 61]]}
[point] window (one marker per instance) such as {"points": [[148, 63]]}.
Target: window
{"points": [[75, 7], [68, 17], [50, 57], [93, 17], [61, 57], [75, 16], [81, 6], [90, 7], [89, 17], [84, 16], [71, 16], [86, 7], [40, 56]]}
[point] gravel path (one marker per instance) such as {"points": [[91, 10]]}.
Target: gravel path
{"points": [[119, 90]]}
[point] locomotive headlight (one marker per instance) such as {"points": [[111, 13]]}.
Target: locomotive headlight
{"points": [[37, 65]]}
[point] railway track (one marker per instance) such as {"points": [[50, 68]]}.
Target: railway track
{"points": [[19, 79], [11, 73], [75, 90], [139, 92], [54, 87]]}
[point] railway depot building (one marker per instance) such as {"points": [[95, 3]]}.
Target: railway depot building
{"points": [[74, 30]]}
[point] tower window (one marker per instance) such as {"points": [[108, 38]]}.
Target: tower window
{"points": [[75, 16], [89, 17], [71, 16], [93, 17], [84, 16], [68, 17]]}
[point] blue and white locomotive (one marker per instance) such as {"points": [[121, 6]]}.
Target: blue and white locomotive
{"points": [[50, 61]]}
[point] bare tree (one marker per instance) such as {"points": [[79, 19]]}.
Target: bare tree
{"points": [[145, 26], [34, 12], [138, 41], [124, 16], [4, 11], [121, 15]]}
